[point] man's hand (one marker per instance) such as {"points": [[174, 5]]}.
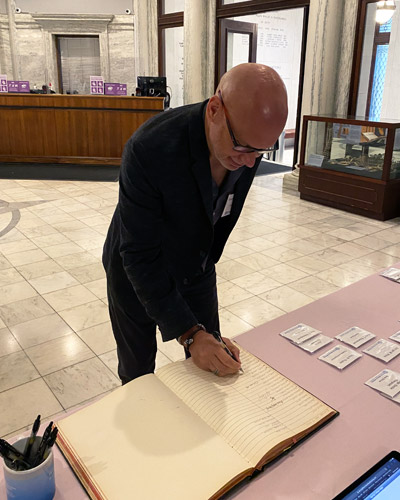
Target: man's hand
{"points": [[209, 354]]}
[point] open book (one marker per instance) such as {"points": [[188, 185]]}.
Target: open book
{"points": [[185, 433]]}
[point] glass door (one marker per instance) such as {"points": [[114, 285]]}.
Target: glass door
{"points": [[274, 38]]}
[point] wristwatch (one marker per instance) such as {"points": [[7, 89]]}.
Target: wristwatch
{"points": [[187, 338]]}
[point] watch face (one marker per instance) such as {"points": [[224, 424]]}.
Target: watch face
{"points": [[188, 342]]}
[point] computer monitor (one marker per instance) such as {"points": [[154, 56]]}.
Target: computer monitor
{"points": [[151, 86]]}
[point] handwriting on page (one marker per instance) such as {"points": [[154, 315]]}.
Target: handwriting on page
{"points": [[253, 411]]}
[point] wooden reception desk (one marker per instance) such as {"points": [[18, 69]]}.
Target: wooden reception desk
{"points": [[74, 129]]}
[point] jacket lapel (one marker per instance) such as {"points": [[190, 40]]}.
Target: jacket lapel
{"points": [[200, 158]]}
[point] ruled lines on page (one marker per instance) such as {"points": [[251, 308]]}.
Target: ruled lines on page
{"points": [[253, 411]]}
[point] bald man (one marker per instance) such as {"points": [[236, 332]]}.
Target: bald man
{"points": [[184, 178]]}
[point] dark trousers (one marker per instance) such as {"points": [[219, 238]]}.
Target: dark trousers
{"points": [[135, 331]]}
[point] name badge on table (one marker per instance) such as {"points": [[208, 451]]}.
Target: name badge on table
{"points": [[228, 206]]}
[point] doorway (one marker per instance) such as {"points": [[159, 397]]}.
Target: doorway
{"points": [[275, 38]]}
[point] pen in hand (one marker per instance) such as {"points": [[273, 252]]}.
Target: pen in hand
{"points": [[218, 337]]}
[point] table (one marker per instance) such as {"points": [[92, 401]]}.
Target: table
{"points": [[367, 427]]}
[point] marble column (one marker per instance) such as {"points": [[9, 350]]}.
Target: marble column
{"points": [[329, 57], [145, 37], [199, 51], [10, 4]]}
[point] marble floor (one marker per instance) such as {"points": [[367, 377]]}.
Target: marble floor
{"points": [[56, 346]]}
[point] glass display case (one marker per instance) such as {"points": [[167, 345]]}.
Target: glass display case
{"points": [[352, 164]]}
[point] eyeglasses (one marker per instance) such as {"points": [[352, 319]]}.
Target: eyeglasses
{"points": [[236, 145]]}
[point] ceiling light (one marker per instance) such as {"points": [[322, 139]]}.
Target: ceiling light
{"points": [[384, 11]]}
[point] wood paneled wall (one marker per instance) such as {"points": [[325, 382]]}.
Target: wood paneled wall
{"points": [[76, 129]]}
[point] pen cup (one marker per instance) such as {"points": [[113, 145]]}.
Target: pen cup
{"points": [[32, 484]]}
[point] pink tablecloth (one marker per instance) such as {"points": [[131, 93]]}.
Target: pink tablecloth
{"points": [[367, 427]]}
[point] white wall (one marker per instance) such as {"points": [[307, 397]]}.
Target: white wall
{"points": [[74, 6]]}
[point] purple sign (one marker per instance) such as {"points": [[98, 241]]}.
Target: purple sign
{"points": [[3, 83], [96, 85], [121, 90], [111, 88], [115, 89], [23, 86], [13, 86]]}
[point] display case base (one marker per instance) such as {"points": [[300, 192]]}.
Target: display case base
{"points": [[372, 198]]}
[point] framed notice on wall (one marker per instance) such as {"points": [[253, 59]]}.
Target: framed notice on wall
{"points": [[96, 85]]}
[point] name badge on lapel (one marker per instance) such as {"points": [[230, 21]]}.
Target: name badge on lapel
{"points": [[228, 206]]}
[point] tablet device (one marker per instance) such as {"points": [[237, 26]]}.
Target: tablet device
{"points": [[381, 482]]}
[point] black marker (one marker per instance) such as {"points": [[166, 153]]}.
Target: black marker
{"points": [[39, 452], [31, 440]]}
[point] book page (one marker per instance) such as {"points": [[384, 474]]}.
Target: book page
{"points": [[253, 411], [142, 442]]}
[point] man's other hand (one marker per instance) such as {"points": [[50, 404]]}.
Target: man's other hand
{"points": [[209, 354]]}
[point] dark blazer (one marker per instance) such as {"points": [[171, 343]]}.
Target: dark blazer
{"points": [[162, 227]]}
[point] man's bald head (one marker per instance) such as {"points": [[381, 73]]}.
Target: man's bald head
{"points": [[252, 99], [255, 94]]}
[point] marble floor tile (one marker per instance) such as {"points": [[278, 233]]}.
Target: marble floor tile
{"points": [[85, 315], [70, 224], [69, 297], [352, 249], [92, 243], [171, 349], [50, 240], [97, 220], [75, 260], [340, 277], [284, 273], [110, 359], [27, 257], [372, 242], [259, 229], [16, 369], [16, 291], [314, 287], [99, 338], [256, 283], [231, 325], [331, 256], [309, 264], [363, 227], [389, 235], [282, 253], [258, 244], [257, 261], [98, 288], [8, 343], [286, 298], [229, 293], [39, 330], [240, 234], [9, 276], [20, 406], [304, 247], [281, 238], [81, 234], [59, 353], [392, 250], [62, 249], [80, 382], [39, 269], [53, 282], [90, 272], [325, 240], [255, 311], [378, 259], [16, 246], [24, 310], [361, 268], [236, 250], [231, 269]]}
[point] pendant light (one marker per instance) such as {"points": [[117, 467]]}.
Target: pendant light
{"points": [[384, 11]]}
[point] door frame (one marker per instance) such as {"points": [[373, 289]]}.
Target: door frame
{"points": [[259, 6], [227, 26]]}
